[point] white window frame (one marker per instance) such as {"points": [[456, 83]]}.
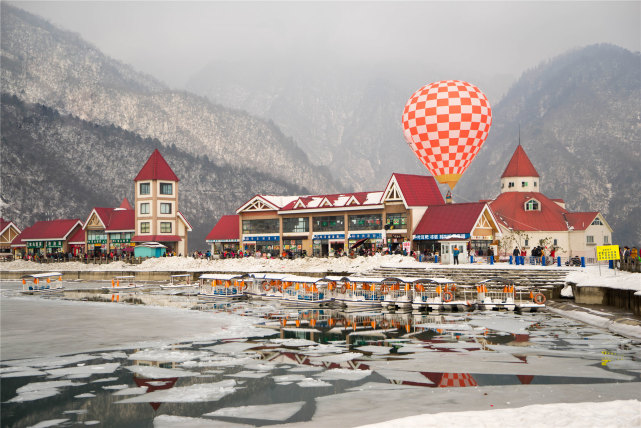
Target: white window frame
{"points": [[173, 188], [171, 226], [171, 207], [141, 212], [143, 223], [138, 189]]}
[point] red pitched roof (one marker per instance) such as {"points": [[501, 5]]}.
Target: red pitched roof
{"points": [[419, 190], [78, 237], [50, 230], [520, 165], [156, 238], [225, 229], [121, 220], [581, 221], [5, 224], [509, 208], [104, 214], [338, 200], [156, 168], [126, 205], [449, 219]]}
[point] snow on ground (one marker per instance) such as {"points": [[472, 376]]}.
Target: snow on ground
{"points": [[620, 413], [590, 276]]}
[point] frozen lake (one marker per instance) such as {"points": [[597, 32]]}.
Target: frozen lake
{"points": [[180, 363]]}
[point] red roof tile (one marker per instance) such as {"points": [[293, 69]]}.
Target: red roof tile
{"points": [[226, 228], [509, 208], [126, 205], [419, 190], [520, 165], [50, 230], [121, 220], [449, 219], [156, 168], [5, 224], [156, 238], [581, 221], [77, 237]]}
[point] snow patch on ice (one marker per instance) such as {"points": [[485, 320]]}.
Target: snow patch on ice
{"points": [[344, 374], [187, 394], [312, 383], [151, 372], [270, 412], [38, 390]]}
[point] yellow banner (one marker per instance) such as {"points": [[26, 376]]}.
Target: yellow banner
{"points": [[607, 252]]}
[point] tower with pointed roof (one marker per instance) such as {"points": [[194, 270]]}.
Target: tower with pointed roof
{"points": [[520, 175], [156, 205]]}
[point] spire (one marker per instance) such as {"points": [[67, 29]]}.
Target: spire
{"points": [[156, 168], [520, 164], [125, 205]]}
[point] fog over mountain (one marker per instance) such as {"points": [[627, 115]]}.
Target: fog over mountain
{"points": [[288, 116]]}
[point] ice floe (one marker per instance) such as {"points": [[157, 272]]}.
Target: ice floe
{"points": [[84, 371], [152, 372], [269, 412], [312, 383], [38, 390], [201, 392]]}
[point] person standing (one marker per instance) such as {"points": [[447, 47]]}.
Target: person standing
{"points": [[456, 252], [516, 252]]}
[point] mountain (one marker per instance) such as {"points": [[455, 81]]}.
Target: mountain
{"points": [[59, 166], [580, 123], [45, 65]]}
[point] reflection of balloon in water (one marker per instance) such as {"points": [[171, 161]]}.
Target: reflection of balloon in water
{"points": [[445, 123]]}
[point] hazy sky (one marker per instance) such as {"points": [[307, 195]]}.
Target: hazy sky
{"points": [[174, 40]]}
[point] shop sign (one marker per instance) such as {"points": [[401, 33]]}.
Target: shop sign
{"points": [[120, 241], [365, 236], [440, 236], [329, 236], [260, 238], [482, 238], [96, 241], [35, 244], [54, 244], [222, 240], [407, 246]]}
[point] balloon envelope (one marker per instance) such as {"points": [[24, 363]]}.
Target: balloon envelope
{"points": [[445, 123]]}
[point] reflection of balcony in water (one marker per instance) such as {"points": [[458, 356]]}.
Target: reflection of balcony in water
{"points": [[155, 384]]}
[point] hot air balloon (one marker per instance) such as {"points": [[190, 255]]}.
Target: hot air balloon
{"points": [[445, 123]]}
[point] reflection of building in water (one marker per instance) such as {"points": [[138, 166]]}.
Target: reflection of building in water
{"points": [[155, 384]]}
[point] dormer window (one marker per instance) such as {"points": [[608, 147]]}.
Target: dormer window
{"points": [[523, 183], [535, 184], [510, 184], [597, 222], [532, 205]]}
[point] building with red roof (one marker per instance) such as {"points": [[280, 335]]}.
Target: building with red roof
{"points": [[528, 218], [108, 230], [157, 217], [8, 233], [329, 223], [46, 237]]}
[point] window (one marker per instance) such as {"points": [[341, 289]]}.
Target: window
{"points": [[532, 205], [145, 188], [589, 239], [510, 184], [597, 222], [527, 243], [396, 221], [144, 227], [535, 184], [523, 183], [502, 185], [606, 239], [296, 224], [555, 243], [329, 223], [365, 222], [261, 226], [165, 208], [166, 189], [96, 236], [144, 208], [165, 227]]}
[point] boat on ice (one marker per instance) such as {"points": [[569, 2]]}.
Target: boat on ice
{"points": [[441, 293], [216, 286], [180, 284], [42, 283], [266, 286], [357, 292], [122, 284], [501, 293], [305, 291]]}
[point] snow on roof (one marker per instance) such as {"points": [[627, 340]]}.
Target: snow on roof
{"points": [[279, 201]]}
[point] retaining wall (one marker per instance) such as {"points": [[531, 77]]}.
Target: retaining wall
{"points": [[624, 299]]}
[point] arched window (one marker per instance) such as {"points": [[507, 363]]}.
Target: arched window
{"points": [[532, 205]]}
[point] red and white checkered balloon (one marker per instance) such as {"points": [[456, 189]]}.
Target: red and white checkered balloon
{"points": [[446, 123]]}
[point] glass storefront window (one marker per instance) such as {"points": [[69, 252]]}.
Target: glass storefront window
{"points": [[329, 223], [96, 235], [365, 222], [396, 221], [296, 224], [261, 226]]}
